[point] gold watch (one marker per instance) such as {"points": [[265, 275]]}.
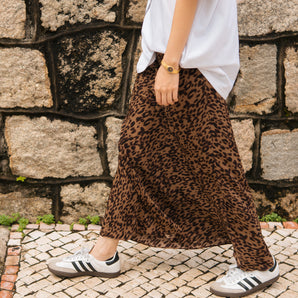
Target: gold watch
{"points": [[169, 68]]}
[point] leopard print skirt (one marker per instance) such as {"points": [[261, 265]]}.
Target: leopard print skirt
{"points": [[180, 182]]}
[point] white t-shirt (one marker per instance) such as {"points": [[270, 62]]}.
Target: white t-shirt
{"points": [[212, 45]]}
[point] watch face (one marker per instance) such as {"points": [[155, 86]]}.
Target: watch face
{"points": [[170, 68]]}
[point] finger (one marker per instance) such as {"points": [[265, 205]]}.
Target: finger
{"points": [[175, 94], [164, 98], [157, 97], [170, 98]]}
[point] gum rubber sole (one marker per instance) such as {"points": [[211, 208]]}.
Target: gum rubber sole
{"points": [[255, 289], [84, 273]]}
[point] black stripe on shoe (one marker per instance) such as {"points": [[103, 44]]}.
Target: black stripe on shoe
{"points": [[76, 266], [83, 266], [249, 282], [91, 267], [274, 265], [113, 259], [256, 279], [243, 286]]}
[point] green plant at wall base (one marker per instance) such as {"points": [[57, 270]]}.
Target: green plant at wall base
{"points": [[21, 178], [273, 217], [47, 219], [7, 220], [83, 221], [22, 224], [296, 220], [93, 219], [71, 226]]}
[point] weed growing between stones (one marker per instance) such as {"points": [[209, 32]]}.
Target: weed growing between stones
{"points": [[7, 220], [274, 217], [94, 220], [47, 219]]}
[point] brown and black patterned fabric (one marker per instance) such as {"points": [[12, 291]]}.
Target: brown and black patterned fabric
{"points": [[180, 182]]}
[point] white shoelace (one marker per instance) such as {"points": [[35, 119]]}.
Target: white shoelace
{"points": [[81, 255]]}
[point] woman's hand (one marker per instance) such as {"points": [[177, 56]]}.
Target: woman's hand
{"points": [[166, 87]]}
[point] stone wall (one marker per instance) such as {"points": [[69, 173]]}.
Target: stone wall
{"points": [[67, 68]]}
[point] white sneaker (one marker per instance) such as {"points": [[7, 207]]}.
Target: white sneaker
{"points": [[239, 283], [82, 263]]}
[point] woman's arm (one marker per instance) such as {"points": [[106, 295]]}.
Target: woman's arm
{"points": [[166, 84]]}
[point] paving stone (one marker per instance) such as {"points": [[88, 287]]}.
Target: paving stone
{"points": [[289, 294], [57, 252], [72, 292], [4, 236], [14, 242], [6, 285], [162, 281], [43, 240], [46, 227], [10, 278], [275, 225], [62, 227], [12, 260], [138, 291], [36, 234], [45, 248], [56, 243], [15, 235], [32, 226], [92, 227], [290, 225]]}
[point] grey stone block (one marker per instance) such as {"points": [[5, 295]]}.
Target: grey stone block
{"points": [[83, 201], [12, 19], [291, 74], [259, 17], [24, 79], [255, 88], [40, 148], [279, 150], [114, 128], [57, 13], [90, 71], [30, 202], [136, 10], [289, 203], [245, 136], [137, 55]]}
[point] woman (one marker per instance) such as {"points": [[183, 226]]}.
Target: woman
{"points": [[180, 182]]}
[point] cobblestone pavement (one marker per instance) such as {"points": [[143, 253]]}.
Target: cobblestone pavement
{"points": [[145, 271]]}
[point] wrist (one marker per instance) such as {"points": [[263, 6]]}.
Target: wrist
{"points": [[170, 68], [171, 61]]}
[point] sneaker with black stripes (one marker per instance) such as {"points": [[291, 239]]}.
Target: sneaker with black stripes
{"points": [[239, 283], [82, 263]]}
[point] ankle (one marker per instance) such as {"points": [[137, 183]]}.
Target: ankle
{"points": [[102, 256]]}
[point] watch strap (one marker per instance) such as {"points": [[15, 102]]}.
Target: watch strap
{"points": [[169, 68]]}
